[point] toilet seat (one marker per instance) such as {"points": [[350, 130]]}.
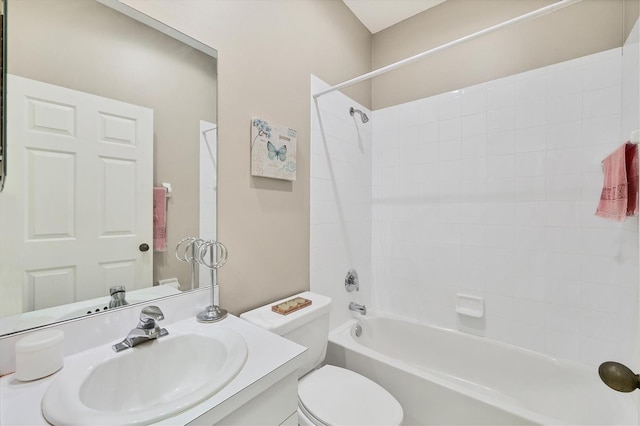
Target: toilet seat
{"points": [[336, 396]]}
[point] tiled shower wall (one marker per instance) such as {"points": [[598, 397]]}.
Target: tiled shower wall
{"points": [[491, 190], [340, 201]]}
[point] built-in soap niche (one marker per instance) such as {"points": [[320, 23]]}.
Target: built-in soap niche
{"points": [[470, 313]]}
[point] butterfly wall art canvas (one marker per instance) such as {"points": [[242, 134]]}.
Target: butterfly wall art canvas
{"points": [[273, 150]]}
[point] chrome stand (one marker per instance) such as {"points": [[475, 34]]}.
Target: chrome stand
{"points": [[217, 257]]}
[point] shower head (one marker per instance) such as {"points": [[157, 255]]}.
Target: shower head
{"points": [[363, 116]]}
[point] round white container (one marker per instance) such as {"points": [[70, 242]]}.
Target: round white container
{"points": [[39, 355]]}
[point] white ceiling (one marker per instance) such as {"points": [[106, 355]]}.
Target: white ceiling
{"points": [[377, 15]]}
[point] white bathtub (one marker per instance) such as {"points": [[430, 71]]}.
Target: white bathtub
{"points": [[442, 376]]}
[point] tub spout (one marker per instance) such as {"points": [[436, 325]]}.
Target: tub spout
{"points": [[353, 306]]}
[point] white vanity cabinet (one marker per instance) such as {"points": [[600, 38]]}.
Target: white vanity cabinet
{"points": [[277, 405]]}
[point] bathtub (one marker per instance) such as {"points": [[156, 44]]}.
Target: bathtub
{"points": [[443, 376]]}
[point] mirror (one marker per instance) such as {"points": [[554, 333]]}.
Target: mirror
{"points": [[102, 110]]}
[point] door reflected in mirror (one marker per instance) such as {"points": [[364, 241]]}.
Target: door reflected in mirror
{"points": [[101, 109]]}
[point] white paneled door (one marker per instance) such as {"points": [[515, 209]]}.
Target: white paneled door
{"points": [[78, 200]]}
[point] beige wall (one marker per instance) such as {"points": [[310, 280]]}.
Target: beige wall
{"points": [[96, 54], [581, 29], [267, 51]]}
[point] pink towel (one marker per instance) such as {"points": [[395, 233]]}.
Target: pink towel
{"points": [[619, 197], [159, 219]]}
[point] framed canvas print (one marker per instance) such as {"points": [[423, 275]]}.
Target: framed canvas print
{"points": [[273, 150]]}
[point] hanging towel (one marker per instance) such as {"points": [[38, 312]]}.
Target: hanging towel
{"points": [[159, 219], [619, 197]]}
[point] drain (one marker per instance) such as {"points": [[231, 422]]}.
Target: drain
{"points": [[358, 330]]}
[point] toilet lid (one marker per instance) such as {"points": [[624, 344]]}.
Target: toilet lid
{"points": [[337, 396]]}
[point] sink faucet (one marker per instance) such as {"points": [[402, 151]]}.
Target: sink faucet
{"points": [[118, 294], [353, 306], [146, 330]]}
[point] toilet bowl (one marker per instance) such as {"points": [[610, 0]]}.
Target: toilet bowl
{"points": [[337, 396], [327, 395]]}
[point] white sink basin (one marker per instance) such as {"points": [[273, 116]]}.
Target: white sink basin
{"points": [[145, 384]]}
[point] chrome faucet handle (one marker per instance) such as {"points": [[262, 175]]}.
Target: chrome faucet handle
{"points": [[149, 316], [118, 296]]}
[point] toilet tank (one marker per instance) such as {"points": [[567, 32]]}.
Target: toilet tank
{"points": [[308, 326]]}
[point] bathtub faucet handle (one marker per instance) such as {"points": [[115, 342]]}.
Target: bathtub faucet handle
{"points": [[351, 281], [353, 306]]}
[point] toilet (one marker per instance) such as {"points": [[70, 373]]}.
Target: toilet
{"points": [[327, 395]]}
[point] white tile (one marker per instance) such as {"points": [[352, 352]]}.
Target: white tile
{"points": [[601, 325], [564, 239], [564, 135], [530, 263], [530, 287], [450, 105], [428, 110], [450, 149], [408, 114], [529, 336], [564, 266], [531, 163], [529, 311], [564, 81], [450, 171], [474, 99], [500, 94], [428, 133], [530, 188], [564, 108], [531, 139], [428, 153], [450, 128], [562, 213], [592, 156], [501, 142], [500, 190], [530, 237], [501, 119], [500, 275], [473, 234], [563, 292], [531, 114], [531, 89], [500, 236], [602, 297], [594, 351], [500, 213], [601, 102], [499, 306], [562, 344], [604, 242], [609, 270], [600, 74], [567, 161], [473, 262], [475, 124], [501, 166], [601, 130], [564, 187], [531, 213], [474, 169], [474, 146], [408, 136]]}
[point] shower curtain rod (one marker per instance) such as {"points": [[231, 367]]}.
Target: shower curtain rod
{"points": [[527, 16]]}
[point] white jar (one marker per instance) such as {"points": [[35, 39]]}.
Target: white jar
{"points": [[39, 355]]}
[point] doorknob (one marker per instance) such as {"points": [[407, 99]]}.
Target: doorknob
{"points": [[144, 247], [618, 376]]}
